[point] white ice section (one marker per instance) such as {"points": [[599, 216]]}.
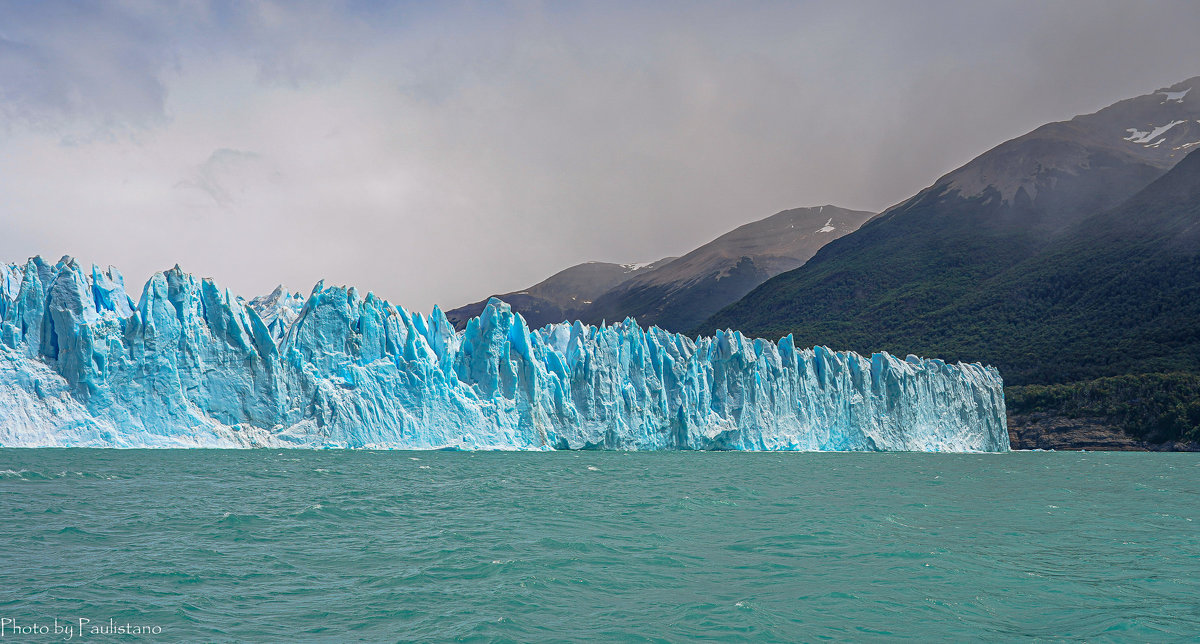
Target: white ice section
{"points": [[278, 310], [10, 283], [190, 365]]}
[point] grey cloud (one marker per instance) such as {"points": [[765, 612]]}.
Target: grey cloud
{"points": [[223, 176], [60, 62], [107, 64], [438, 152], [292, 43]]}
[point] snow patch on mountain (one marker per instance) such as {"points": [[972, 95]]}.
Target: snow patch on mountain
{"points": [[1139, 136], [1176, 97]]}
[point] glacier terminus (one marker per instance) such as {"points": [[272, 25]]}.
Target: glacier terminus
{"points": [[192, 365]]}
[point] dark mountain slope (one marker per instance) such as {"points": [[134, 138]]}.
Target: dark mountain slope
{"points": [[1119, 293], [866, 291], [562, 296], [683, 293]]}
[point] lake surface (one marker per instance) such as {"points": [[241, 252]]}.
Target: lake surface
{"points": [[211, 545]]}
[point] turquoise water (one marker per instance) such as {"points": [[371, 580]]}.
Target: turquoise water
{"points": [[209, 545]]}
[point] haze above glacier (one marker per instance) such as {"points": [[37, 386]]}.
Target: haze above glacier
{"points": [[435, 154]]}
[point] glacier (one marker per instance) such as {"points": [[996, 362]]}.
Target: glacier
{"points": [[193, 365]]}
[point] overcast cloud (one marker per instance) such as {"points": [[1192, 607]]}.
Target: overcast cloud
{"points": [[436, 153]]}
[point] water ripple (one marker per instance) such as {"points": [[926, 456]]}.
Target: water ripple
{"points": [[349, 546]]}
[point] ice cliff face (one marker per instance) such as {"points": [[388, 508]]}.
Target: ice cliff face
{"points": [[191, 365], [278, 310]]}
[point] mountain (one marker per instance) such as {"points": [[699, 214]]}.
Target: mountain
{"points": [[944, 245], [680, 294], [1116, 301], [677, 293], [1117, 293], [562, 296], [190, 365]]}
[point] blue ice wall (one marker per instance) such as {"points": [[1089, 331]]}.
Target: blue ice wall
{"points": [[191, 365]]}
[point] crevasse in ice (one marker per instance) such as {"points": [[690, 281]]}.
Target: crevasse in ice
{"points": [[192, 365]]}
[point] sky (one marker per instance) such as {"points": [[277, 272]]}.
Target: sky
{"points": [[435, 153]]}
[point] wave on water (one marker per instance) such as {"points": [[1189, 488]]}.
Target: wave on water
{"points": [[664, 546], [35, 475]]}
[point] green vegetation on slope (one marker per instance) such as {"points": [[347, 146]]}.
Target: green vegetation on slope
{"points": [[1157, 408], [860, 287], [1117, 293]]}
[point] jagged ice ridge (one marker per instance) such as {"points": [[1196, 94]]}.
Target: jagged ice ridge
{"points": [[191, 365]]}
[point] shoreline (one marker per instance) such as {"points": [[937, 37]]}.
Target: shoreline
{"points": [[1044, 431]]}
